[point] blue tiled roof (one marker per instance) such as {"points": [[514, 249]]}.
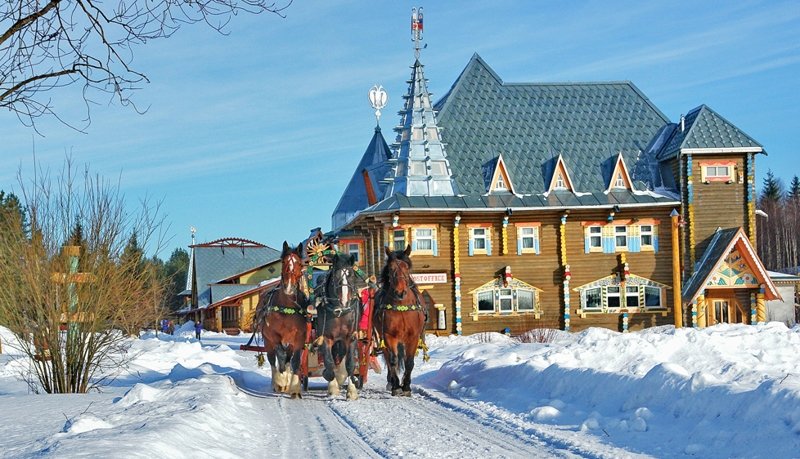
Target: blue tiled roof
{"points": [[556, 200], [354, 198], [221, 291], [705, 128], [212, 264], [529, 124]]}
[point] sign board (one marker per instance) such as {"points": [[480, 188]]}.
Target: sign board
{"points": [[430, 278]]}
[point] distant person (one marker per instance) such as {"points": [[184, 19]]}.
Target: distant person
{"points": [[198, 327], [164, 326], [171, 328]]}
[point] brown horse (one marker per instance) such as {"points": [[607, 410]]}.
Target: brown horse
{"points": [[337, 321], [399, 319], [283, 323]]}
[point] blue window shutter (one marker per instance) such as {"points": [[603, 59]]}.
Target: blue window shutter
{"points": [[608, 244], [488, 245], [655, 243], [519, 246], [414, 244], [471, 247], [435, 247], [587, 241], [635, 243], [536, 245]]}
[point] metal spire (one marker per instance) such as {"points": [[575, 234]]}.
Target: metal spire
{"points": [[416, 29]]}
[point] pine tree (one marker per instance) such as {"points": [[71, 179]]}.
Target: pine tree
{"points": [[11, 212], [794, 188], [772, 188], [174, 273], [133, 255]]}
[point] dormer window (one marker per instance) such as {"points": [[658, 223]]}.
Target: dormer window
{"points": [[560, 180], [620, 179], [496, 176], [500, 184], [560, 185]]}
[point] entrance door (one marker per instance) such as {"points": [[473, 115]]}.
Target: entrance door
{"points": [[725, 311], [721, 311]]}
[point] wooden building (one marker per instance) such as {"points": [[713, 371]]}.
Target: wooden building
{"points": [[225, 280], [556, 205]]}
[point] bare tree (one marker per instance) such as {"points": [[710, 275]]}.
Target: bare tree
{"points": [[47, 44], [73, 320]]}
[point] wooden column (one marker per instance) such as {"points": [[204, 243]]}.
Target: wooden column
{"points": [[677, 301], [761, 307], [701, 311]]}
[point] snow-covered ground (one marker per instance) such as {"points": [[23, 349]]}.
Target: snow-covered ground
{"points": [[726, 391]]}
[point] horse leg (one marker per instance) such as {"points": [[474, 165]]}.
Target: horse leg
{"points": [[284, 369], [327, 358], [392, 364], [409, 366], [293, 384], [350, 365], [276, 375]]}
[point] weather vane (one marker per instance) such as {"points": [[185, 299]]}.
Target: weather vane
{"points": [[193, 230], [416, 29], [378, 98]]}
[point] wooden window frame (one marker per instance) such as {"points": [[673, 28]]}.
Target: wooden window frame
{"points": [[535, 237], [433, 251], [706, 165], [617, 246], [598, 235]]}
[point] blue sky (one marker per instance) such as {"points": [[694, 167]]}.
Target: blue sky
{"points": [[255, 134]]}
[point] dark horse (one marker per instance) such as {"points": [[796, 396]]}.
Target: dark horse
{"points": [[337, 322], [283, 323], [399, 319]]}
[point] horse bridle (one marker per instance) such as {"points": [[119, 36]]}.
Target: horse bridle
{"points": [[348, 290], [290, 268]]}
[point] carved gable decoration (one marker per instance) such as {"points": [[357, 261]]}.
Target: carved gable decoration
{"points": [[620, 178], [498, 282], [560, 179], [733, 272], [496, 178]]}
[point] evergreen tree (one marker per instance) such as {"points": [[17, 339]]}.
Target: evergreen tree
{"points": [[12, 213], [772, 188], [174, 273], [133, 254], [794, 188]]}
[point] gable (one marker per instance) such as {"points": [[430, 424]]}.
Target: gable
{"points": [[560, 179], [619, 178], [498, 282], [496, 177], [729, 261]]}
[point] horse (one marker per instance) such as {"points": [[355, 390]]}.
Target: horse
{"points": [[399, 319], [283, 323], [337, 322]]}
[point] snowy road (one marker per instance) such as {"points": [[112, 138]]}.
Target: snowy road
{"points": [[429, 424]]}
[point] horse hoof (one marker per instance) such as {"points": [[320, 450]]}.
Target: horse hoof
{"points": [[294, 396], [396, 392], [406, 393]]}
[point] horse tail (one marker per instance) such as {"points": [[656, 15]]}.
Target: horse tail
{"points": [[338, 351]]}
